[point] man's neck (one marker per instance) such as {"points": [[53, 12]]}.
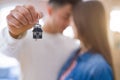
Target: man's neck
{"points": [[49, 28]]}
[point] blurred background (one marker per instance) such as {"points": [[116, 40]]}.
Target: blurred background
{"points": [[112, 8]]}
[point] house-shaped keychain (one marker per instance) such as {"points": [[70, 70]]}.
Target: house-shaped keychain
{"points": [[37, 31]]}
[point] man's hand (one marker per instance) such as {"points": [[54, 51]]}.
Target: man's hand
{"points": [[21, 19]]}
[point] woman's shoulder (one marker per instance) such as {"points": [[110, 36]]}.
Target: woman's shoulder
{"points": [[98, 68], [94, 62], [97, 59], [98, 62]]}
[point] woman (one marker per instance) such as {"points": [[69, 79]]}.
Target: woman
{"points": [[93, 60]]}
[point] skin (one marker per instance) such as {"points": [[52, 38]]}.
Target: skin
{"points": [[23, 18]]}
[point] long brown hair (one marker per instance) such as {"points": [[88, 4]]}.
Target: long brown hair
{"points": [[91, 25]]}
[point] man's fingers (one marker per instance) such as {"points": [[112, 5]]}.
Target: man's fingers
{"points": [[19, 17], [11, 20], [22, 18], [32, 12], [40, 15], [25, 12]]}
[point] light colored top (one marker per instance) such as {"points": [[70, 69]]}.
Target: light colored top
{"points": [[39, 59]]}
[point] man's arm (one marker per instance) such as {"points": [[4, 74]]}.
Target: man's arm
{"points": [[19, 20], [9, 45]]}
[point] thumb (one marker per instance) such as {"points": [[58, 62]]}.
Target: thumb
{"points": [[40, 15]]}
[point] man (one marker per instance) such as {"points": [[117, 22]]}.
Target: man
{"points": [[41, 59]]}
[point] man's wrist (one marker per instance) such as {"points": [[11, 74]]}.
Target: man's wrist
{"points": [[13, 35]]}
